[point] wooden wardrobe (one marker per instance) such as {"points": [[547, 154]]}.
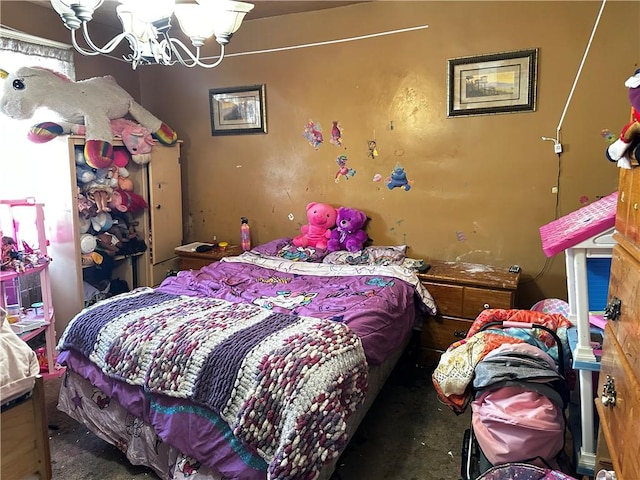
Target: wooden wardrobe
{"points": [[618, 394], [158, 182]]}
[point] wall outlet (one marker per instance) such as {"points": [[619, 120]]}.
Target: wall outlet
{"points": [[557, 148]]}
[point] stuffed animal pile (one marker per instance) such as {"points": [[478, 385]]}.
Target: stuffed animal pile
{"points": [[107, 205], [19, 259], [137, 139], [93, 103], [332, 229], [626, 149]]}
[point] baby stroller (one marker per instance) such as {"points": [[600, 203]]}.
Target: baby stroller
{"points": [[520, 396], [523, 471]]}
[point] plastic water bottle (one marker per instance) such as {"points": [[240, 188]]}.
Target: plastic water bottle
{"points": [[245, 234]]}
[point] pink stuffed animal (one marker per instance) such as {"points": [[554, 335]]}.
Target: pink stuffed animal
{"points": [[322, 218], [135, 137]]}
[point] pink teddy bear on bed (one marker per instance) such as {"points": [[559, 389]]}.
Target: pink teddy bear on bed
{"points": [[321, 218]]}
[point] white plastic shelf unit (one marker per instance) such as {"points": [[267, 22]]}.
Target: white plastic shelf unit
{"points": [[582, 234], [19, 213], [584, 360]]}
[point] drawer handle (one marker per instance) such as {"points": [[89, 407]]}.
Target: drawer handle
{"points": [[486, 306], [613, 309], [609, 394], [460, 334]]}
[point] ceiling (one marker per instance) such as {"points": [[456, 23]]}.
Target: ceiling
{"points": [[263, 8]]}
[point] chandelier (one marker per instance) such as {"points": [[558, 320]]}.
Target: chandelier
{"points": [[146, 25]]}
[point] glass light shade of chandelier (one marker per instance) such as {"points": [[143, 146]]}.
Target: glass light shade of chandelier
{"points": [[146, 25]]}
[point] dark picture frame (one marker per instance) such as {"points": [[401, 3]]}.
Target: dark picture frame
{"points": [[493, 83], [238, 110]]}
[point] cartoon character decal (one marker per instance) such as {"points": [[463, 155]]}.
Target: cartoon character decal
{"points": [[398, 178], [336, 134], [313, 134], [373, 150], [343, 171]]}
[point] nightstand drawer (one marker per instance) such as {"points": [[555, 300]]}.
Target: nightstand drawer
{"points": [[478, 299], [461, 291], [189, 263], [448, 298], [440, 331], [467, 302]]}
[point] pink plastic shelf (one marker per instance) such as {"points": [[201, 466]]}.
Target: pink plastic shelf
{"points": [[578, 226]]}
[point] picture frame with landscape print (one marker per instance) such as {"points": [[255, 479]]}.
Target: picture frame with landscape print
{"points": [[238, 110], [493, 83]]}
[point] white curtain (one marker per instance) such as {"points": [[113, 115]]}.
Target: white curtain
{"points": [[18, 53]]}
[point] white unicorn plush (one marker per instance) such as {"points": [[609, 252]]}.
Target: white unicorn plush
{"points": [[93, 103]]}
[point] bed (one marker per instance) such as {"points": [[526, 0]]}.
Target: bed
{"points": [[25, 438], [258, 366]]}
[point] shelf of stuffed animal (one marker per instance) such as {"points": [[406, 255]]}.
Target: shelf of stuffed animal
{"points": [[626, 149]]}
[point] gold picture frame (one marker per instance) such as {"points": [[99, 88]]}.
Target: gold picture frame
{"points": [[493, 83]]}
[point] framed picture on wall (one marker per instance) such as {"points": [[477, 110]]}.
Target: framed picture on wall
{"points": [[238, 110], [493, 83]]}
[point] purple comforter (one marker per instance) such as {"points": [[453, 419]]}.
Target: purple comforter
{"points": [[378, 303]]}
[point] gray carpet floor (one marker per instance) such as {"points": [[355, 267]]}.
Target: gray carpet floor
{"points": [[407, 435]]}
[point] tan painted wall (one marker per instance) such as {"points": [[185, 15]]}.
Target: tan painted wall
{"points": [[481, 185]]}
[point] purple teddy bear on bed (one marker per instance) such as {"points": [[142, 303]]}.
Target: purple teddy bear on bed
{"points": [[348, 233]]}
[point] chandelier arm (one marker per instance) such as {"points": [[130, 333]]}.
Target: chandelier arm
{"points": [[81, 50], [195, 59], [110, 46], [166, 50]]}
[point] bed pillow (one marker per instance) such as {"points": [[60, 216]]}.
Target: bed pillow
{"points": [[273, 247], [372, 255], [284, 248], [388, 255]]}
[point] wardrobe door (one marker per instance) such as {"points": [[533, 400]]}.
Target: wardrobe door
{"points": [[165, 210]]}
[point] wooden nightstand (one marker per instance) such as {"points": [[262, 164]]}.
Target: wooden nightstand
{"points": [[461, 291], [197, 260]]}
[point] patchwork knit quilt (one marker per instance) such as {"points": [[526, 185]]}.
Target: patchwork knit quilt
{"points": [[285, 384], [378, 303]]}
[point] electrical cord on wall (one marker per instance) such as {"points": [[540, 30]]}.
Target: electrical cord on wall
{"points": [[557, 145], [549, 260]]}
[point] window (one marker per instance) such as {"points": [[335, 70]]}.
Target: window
{"points": [[23, 175]]}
